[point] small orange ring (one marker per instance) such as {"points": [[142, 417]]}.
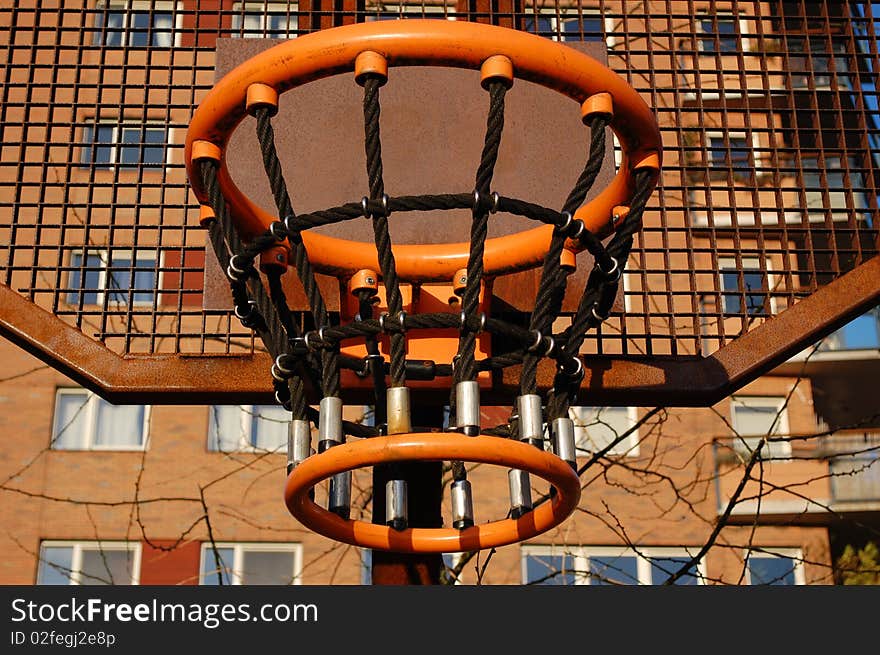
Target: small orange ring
{"points": [[432, 447]]}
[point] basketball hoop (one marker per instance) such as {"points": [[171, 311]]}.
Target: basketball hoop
{"points": [[241, 232]]}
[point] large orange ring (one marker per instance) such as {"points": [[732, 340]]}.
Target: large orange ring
{"points": [[420, 43], [432, 447]]}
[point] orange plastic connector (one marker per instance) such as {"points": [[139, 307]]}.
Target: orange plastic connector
{"points": [[568, 261], [364, 280], [206, 215], [261, 95], [598, 103], [433, 447], [459, 281], [202, 149], [497, 68], [370, 63], [619, 214]]}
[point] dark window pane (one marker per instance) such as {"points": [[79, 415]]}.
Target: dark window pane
{"points": [[720, 35], [550, 569], [87, 280], [771, 570], [613, 570], [570, 28], [662, 568], [138, 29], [751, 293], [211, 573], [55, 563], [112, 35]]}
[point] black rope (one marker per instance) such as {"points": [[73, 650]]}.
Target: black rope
{"points": [[466, 369], [373, 146], [272, 165], [551, 289]]}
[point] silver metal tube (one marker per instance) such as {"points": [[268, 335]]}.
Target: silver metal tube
{"points": [[467, 407], [340, 494], [531, 421], [396, 510], [462, 505], [397, 402], [330, 423], [520, 492], [299, 443], [563, 440]]}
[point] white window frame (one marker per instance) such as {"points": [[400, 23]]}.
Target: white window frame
{"points": [[76, 557], [115, 145], [722, 16], [775, 449], [238, 550], [796, 555], [90, 407], [628, 447], [581, 559], [751, 263], [246, 436], [531, 12], [153, 257], [126, 7], [261, 11]]}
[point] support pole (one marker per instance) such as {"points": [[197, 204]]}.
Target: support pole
{"points": [[425, 485]]}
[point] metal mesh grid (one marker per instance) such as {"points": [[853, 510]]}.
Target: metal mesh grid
{"points": [[768, 110]]}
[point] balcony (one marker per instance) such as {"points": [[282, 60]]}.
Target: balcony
{"points": [[802, 480]]}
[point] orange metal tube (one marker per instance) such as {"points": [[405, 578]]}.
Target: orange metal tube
{"points": [[422, 43], [432, 447]]}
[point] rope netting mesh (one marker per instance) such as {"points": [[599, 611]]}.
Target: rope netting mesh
{"points": [[315, 357]]}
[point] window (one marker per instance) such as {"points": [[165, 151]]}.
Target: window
{"points": [[83, 421], [596, 427], [744, 291], [756, 417], [564, 23], [89, 562], [265, 19], [383, 11], [251, 564], [719, 35], [839, 193], [127, 145], [826, 61], [783, 567], [248, 427], [120, 277], [861, 333], [137, 24], [730, 154], [606, 566]]}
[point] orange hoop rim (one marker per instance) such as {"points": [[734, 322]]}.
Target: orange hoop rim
{"points": [[432, 447], [424, 42]]}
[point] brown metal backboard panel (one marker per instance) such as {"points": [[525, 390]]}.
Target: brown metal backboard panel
{"points": [[433, 122], [760, 239]]}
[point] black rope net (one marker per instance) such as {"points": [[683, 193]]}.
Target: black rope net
{"points": [[315, 356]]}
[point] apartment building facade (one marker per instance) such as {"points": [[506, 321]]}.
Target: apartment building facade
{"points": [[768, 112]]}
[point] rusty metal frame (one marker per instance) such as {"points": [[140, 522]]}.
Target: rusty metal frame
{"points": [[699, 381]]}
